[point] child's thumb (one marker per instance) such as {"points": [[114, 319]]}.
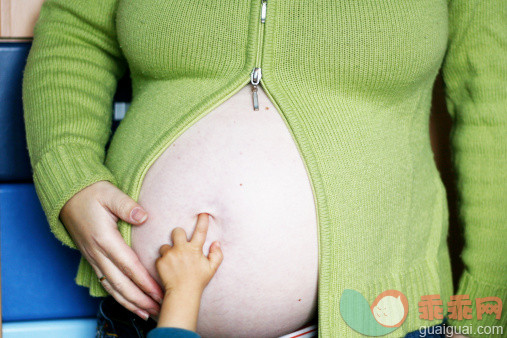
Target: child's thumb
{"points": [[215, 255]]}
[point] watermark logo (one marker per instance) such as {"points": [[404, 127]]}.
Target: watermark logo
{"points": [[390, 308], [459, 307], [387, 312]]}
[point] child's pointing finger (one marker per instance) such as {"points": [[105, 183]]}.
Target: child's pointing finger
{"points": [[201, 230]]}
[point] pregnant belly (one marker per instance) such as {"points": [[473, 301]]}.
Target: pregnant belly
{"points": [[243, 168]]}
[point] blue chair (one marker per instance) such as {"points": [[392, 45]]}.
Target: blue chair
{"points": [[39, 295], [37, 270]]}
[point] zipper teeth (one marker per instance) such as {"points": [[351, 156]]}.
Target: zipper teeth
{"points": [[260, 37], [257, 70]]}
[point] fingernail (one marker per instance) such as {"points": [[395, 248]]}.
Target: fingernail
{"points": [[138, 214], [156, 298], [143, 314], [154, 312]]}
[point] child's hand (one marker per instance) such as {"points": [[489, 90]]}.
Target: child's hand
{"points": [[184, 265]]}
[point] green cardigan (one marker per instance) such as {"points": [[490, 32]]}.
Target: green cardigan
{"points": [[353, 81]]}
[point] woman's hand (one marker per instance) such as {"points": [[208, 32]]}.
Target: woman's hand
{"points": [[91, 217]]}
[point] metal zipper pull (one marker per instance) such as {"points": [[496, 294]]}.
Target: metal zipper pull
{"points": [[255, 78], [263, 11]]}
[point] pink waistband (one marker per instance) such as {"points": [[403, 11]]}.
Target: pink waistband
{"points": [[307, 331]]}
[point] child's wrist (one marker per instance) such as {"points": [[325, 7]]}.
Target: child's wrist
{"points": [[180, 308], [189, 290]]}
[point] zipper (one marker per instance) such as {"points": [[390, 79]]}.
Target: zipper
{"points": [[256, 74], [255, 79], [263, 10]]}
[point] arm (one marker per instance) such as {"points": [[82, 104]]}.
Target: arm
{"points": [[475, 77], [185, 272], [68, 87], [180, 309]]}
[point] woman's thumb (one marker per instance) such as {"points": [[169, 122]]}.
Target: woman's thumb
{"points": [[126, 208]]}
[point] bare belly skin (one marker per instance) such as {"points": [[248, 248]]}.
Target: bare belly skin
{"points": [[243, 168]]}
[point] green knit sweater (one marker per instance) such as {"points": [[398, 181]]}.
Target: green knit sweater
{"points": [[353, 81]]}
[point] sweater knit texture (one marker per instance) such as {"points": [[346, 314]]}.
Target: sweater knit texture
{"points": [[353, 81]]}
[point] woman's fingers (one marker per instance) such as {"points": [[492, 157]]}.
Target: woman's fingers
{"points": [[126, 260], [201, 230], [122, 206], [123, 288], [125, 303], [90, 217], [119, 298]]}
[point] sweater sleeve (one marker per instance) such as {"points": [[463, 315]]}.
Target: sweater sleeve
{"points": [[475, 77], [172, 332], [69, 82]]}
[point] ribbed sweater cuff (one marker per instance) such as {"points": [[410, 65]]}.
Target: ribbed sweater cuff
{"points": [[173, 332], [87, 277], [60, 174], [475, 288]]}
